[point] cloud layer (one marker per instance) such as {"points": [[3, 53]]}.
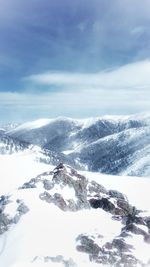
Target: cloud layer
{"points": [[124, 90], [131, 76]]}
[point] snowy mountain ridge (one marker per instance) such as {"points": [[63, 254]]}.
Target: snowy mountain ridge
{"points": [[109, 144], [84, 122], [62, 218]]}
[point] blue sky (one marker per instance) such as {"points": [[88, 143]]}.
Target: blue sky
{"points": [[73, 58]]}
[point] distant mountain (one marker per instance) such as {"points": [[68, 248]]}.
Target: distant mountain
{"points": [[9, 145], [2, 130], [52, 134], [127, 152], [9, 126], [109, 144]]}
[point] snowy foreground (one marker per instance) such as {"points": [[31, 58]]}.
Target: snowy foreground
{"points": [[63, 218]]}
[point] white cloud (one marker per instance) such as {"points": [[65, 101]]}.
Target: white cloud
{"points": [[122, 91], [83, 103], [135, 75]]}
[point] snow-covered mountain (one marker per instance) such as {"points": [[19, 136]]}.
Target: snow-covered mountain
{"points": [[125, 152], [9, 126], [69, 219], [109, 144], [9, 145]]}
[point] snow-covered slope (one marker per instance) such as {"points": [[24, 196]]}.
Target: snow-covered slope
{"points": [[64, 133], [51, 134], [127, 152], [109, 144], [17, 167], [63, 218], [9, 145], [13, 150], [9, 126]]}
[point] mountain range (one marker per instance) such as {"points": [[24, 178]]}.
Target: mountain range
{"points": [[109, 144]]}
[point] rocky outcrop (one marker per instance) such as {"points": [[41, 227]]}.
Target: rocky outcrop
{"points": [[4, 223], [56, 199], [5, 219], [92, 195], [58, 259], [70, 191], [116, 253], [64, 176]]}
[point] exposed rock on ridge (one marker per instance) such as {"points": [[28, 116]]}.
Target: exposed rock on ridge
{"points": [[70, 191]]}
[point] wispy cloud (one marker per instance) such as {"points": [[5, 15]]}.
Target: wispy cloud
{"points": [[74, 36], [85, 103], [131, 76], [121, 91], [124, 90]]}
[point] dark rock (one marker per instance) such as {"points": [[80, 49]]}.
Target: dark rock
{"points": [[119, 212], [125, 207], [125, 234], [59, 202], [22, 208], [46, 196], [72, 206], [94, 187], [30, 184], [147, 238], [58, 259], [139, 220], [73, 180], [121, 245], [102, 203], [87, 245], [137, 231], [48, 185], [16, 218], [56, 199], [59, 168], [128, 260], [4, 223], [116, 253], [147, 221], [4, 200], [116, 217], [117, 194]]}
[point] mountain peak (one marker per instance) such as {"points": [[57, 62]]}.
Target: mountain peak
{"points": [[60, 193]]}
